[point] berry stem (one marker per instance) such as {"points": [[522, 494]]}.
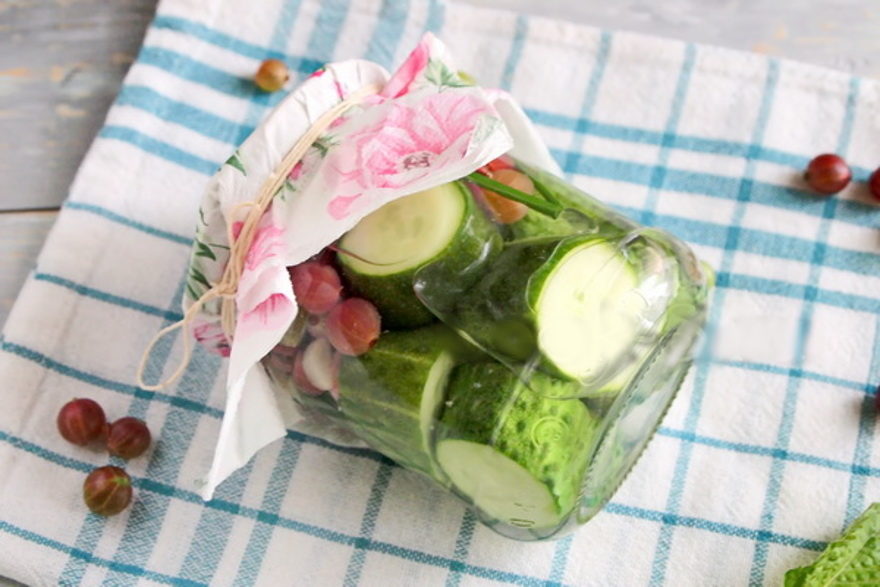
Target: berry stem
{"points": [[551, 209]]}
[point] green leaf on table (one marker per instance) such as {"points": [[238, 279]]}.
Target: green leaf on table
{"points": [[235, 161], [853, 559]]}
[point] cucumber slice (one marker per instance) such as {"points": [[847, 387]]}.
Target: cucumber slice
{"points": [[437, 226], [573, 306], [519, 456], [391, 395], [587, 307]]}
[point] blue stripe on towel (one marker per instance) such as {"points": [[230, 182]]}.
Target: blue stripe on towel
{"points": [[676, 490], [790, 401]]}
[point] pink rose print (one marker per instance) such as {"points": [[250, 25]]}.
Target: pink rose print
{"points": [[264, 297], [304, 167], [403, 147], [211, 335], [374, 99], [338, 206], [339, 121], [318, 72], [236, 228], [296, 172], [266, 244], [268, 312], [402, 79], [267, 241]]}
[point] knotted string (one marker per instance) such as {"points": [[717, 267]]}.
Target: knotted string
{"points": [[227, 287]]}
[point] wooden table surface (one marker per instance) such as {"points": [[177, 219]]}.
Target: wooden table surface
{"points": [[61, 63]]}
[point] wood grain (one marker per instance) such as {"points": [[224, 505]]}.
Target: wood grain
{"points": [[61, 63], [843, 34], [21, 238]]}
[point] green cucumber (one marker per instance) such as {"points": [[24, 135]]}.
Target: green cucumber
{"points": [[437, 227], [571, 305], [518, 455], [534, 224], [586, 305], [391, 394], [494, 314]]}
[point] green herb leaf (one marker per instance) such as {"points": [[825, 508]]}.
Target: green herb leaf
{"points": [[438, 74], [196, 276], [551, 209], [321, 146], [192, 293], [203, 250], [235, 161], [853, 559]]}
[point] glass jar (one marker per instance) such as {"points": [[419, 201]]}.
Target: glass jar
{"points": [[522, 359]]}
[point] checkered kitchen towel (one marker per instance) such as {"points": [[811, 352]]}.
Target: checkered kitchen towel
{"points": [[768, 451]]}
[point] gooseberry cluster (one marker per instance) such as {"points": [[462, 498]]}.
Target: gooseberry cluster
{"points": [[331, 324], [106, 490]]}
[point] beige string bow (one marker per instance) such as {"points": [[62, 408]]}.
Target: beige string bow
{"points": [[227, 287]]}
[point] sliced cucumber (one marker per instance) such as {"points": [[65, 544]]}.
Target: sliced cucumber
{"points": [[587, 306], [516, 454], [391, 394], [572, 306], [386, 249]]}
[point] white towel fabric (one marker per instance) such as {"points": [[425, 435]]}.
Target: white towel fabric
{"points": [[768, 451]]}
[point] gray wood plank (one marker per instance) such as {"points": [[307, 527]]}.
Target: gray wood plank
{"points": [[842, 34], [61, 63], [21, 238]]}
